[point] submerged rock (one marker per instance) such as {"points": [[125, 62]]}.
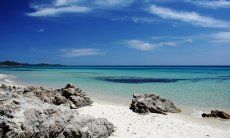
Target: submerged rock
{"points": [[152, 103], [217, 113], [39, 112]]}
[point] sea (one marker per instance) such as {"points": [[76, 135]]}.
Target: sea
{"points": [[188, 86]]}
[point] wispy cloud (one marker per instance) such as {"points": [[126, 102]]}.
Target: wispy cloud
{"points": [[221, 38], [189, 17], [41, 30], [140, 45], [81, 52], [58, 7], [211, 3], [168, 44], [146, 46], [53, 11], [135, 19]]}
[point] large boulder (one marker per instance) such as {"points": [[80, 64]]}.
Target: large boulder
{"points": [[217, 113], [67, 95], [152, 103], [38, 112], [76, 96]]}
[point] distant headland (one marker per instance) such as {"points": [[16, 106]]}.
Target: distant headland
{"points": [[18, 64]]}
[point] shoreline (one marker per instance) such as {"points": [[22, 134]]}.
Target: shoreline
{"points": [[130, 124]]}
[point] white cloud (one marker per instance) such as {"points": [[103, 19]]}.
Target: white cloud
{"points": [[41, 30], [146, 46], [57, 7], [140, 45], [64, 2], [136, 19], [113, 3], [81, 52], [143, 20], [190, 40], [221, 38], [168, 44], [60, 10], [211, 3], [189, 17]]}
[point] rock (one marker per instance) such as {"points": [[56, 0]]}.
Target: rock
{"points": [[68, 92], [73, 106], [89, 127], [6, 112], [146, 103], [217, 113], [80, 101], [39, 112], [69, 86], [76, 96], [59, 99], [3, 86], [16, 102]]}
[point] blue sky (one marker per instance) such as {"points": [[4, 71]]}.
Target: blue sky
{"points": [[116, 32]]}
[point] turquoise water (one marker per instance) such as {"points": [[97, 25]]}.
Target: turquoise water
{"points": [[189, 86]]}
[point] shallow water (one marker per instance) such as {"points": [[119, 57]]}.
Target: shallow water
{"points": [[187, 86]]}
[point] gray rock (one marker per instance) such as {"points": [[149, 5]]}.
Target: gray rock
{"points": [[3, 86], [37, 112], [80, 101], [69, 86], [217, 113], [76, 96], [58, 99], [152, 103]]}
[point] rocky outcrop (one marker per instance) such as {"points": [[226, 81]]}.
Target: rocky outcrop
{"points": [[38, 112], [151, 103], [217, 113]]}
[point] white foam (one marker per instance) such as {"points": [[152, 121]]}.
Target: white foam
{"points": [[5, 78], [2, 76], [197, 113]]}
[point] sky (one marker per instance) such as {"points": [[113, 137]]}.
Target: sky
{"points": [[116, 32]]}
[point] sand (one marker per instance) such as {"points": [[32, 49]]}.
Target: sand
{"points": [[132, 125]]}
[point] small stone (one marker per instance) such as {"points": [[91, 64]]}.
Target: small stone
{"points": [[3, 86], [16, 102], [73, 106]]}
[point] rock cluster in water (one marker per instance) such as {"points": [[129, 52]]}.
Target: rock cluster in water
{"points": [[217, 113], [39, 112], [151, 103]]}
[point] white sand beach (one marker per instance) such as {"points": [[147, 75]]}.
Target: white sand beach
{"points": [[130, 124]]}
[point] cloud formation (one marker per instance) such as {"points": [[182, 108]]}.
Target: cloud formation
{"points": [[140, 45], [54, 11], [146, 46], [188, 17], [211, 3], [81, 52], [57, 7], [221, 38]]}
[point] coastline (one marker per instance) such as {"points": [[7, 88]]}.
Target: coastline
{"points": [[130, 124]]}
